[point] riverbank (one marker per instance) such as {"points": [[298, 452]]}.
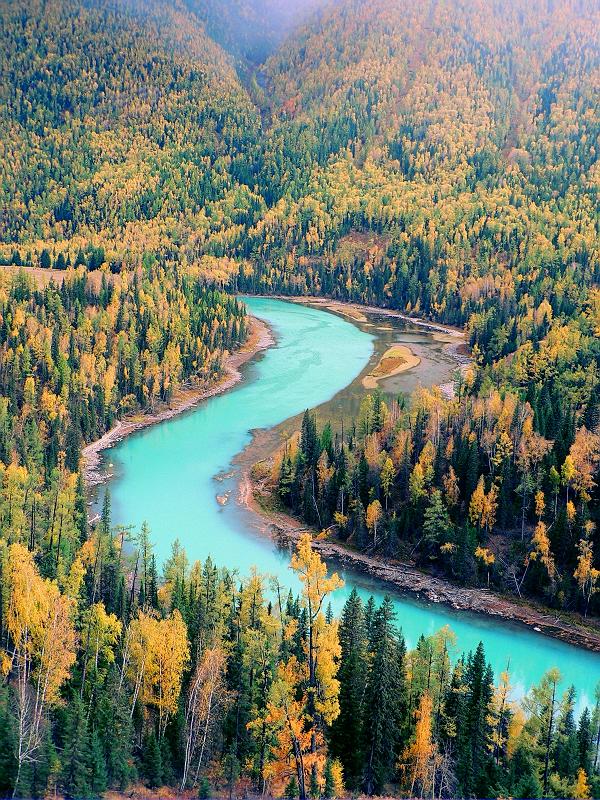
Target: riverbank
{"points": [[356, 312], [260, 338], [399, 576], [453, 339]]}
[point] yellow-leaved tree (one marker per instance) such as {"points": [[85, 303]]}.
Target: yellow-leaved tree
{"points": [[421, 758], [304, 695], [41, 646], [156, 654]]}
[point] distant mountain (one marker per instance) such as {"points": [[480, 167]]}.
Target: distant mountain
{"points": [[251, 29]]}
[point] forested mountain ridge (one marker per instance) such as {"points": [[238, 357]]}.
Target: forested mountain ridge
{"points": [[122, 123], [445, 164]]}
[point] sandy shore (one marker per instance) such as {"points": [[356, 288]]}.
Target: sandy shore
{"points": [[356, 312], [397, 359], [399, 576], [260, 338]]}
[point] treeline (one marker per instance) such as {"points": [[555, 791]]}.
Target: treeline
{"points": [[76, 357], [468, 487], [197, 680]]}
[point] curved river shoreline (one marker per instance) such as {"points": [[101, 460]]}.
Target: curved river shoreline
{"points": [[165, 475]]}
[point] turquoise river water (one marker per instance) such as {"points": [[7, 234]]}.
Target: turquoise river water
{"points": [[166, 475]]}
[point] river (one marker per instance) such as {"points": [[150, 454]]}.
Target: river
{"points": [[166, 475]]}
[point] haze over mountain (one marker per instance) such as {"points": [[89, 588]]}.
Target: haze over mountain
{"points": [[252, 29]]}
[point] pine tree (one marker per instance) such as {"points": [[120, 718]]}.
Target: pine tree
{"points": [[346, 732], [152, 761], [385, 701]]}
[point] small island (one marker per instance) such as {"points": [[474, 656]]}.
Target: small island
{"points": [[398, 358]]}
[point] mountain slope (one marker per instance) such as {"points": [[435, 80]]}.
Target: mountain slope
{"points": [[442, 158], [458, 73], [117, 121]]}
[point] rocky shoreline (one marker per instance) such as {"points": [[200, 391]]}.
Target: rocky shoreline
{"points": [[399, 576], [260, 338]]}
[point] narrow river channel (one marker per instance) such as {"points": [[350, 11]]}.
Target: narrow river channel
{"points": [[165, 475]]}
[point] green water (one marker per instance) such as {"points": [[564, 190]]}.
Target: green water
{"points": [[166, 476]]}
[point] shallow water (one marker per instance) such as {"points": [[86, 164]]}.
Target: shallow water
{"points": [[165, 475]]}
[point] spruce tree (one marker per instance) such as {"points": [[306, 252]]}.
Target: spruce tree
{"points": [[566, 753], [291, 790], [346, 732], [96, 767], [584, 741], [115, 730], [75, 776], [152, 761], [8, 760], [474, 730], [437, 526], [329, 788], [385, 701]]}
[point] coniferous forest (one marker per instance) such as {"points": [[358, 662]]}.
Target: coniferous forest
{"points": [[158, 158]]}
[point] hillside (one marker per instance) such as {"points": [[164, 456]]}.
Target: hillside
{"points": [[251, 29], [438, 157], [120, 124], [459, 143]]}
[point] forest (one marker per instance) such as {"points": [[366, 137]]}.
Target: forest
{"points": [[437, 157], [193, 678], [466, 487]]}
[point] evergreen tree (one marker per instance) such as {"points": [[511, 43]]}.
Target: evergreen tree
{"points": [[75, 774], [291, 790], [437, 526], [584, 741], [473, 727], [8, 742], [97, 767], [115, 729], [347, 739], [329, 788], [385, 701], [566, 752], [152, 761]]}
